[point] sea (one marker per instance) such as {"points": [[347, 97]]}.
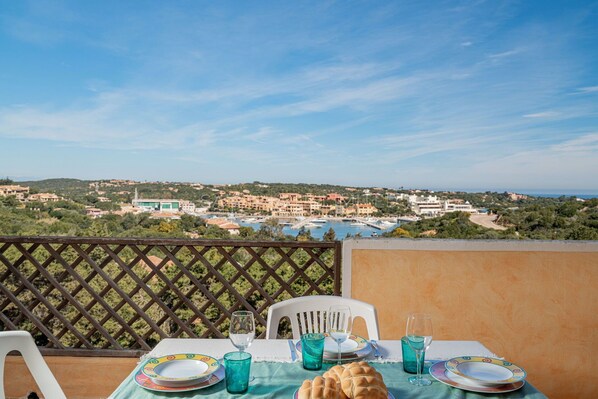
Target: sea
{"points": [[557, 195], [341, 229]]}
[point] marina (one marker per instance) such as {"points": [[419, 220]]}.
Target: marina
{"points": [[342, 227]]}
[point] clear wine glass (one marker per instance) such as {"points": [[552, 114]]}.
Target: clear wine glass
{"points": [[419, 337], [242, 330], [339, 323]]}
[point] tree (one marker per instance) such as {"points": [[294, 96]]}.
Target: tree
{"points": [[330, 235], [10, 201], [304, 235], [399, 232], [270, 229]]}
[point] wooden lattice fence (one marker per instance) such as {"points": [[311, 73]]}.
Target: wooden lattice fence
{"points": [[109, 296]]}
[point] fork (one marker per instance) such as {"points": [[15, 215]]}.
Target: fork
{"points": [[377, 354]]}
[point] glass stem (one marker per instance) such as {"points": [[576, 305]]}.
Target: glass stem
{"points": [[339, 353], [418, 355]]}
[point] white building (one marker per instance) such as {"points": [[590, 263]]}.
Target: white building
{"points": [[459, 206], [187, 206], [426, 206]]}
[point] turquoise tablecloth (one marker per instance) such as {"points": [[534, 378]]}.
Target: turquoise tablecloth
{"points": [[280, 380]]}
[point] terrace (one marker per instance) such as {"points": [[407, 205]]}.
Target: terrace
{"points": [[95, 305]]}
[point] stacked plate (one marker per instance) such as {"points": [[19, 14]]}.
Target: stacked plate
{"points": [[354, 348], [180, 372], [479, 374]]}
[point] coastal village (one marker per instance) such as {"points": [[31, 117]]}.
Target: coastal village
{"points": [[286, 206]]}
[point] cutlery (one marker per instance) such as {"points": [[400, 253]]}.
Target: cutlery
{"points": [[374, 344], [293, 350]]}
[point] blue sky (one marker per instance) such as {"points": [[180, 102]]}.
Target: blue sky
{"points": [[472, 95]]}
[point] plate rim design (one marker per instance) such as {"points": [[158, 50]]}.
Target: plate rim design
{"points": [[361, 353], [362, 343], [519, 374], [438, 371], [213, 379], [149, 372]]}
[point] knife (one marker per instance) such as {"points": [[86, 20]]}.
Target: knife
{"points": [[374, 344], [293, 350]]}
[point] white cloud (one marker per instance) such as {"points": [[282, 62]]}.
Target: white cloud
{"points": [[588, 89], [546, 114], [504, 54]]}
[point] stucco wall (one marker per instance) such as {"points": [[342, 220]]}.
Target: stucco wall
{"points": [[79, 377], [534, 303]]}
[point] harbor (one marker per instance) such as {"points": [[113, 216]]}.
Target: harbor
{"points": [[343, 227]]}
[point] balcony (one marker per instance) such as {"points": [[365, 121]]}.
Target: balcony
{"points": [[95, 305]]}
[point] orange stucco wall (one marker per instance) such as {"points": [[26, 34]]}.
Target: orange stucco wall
{"points": [[79, 377], [538, 309]]}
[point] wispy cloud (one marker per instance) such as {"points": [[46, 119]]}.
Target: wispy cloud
{"points": [[589, 89], [545, 114], [504, 54]]}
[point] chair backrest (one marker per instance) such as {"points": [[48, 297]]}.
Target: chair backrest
{"points": [[23, 342], [308, 314]]}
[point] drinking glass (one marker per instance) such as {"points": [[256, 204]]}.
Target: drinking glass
{"points": [[237, 369], [242, 330], [339, 322], [312, 350], [419, 338]]}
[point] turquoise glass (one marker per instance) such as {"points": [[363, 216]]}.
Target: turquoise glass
{"points": [[312, 350], [237, 366], [409, 360]]}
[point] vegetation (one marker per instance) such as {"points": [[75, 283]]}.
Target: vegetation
{"points": [[560, 219], [525, 218]]}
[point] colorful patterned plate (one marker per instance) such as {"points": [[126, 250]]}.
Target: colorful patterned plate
{"points": [[355, 347], [440, 373], [180, 370], [352, 344], [486, 370], [145, 382]]}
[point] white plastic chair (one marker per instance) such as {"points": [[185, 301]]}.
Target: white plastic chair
{"points": [[23, 342], [308, 314]]}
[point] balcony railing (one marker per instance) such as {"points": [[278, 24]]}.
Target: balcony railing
{"points": [[118, 297]]}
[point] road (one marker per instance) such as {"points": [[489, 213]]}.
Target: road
{"points": [[485, 220]]}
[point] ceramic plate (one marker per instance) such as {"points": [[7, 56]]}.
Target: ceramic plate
{"points": [[296, 395], [180, 370], [145, 382], [352, 344], [355, 347], [439, 372], [486, 370]]}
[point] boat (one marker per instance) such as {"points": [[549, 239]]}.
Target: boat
{"points": [[319, 221], [387, 223], [358, 224], [312, 226], [249, 220]]}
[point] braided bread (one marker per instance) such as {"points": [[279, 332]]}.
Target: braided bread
{"points": [[320, 388], [335, 373], [362, 381]]}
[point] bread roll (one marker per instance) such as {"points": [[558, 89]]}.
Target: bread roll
{"points": [[319, 388], [335, 373], [362, 381]]}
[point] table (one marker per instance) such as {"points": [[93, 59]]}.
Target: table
{"points": [[276, 376]]}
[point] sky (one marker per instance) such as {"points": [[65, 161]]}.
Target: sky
{"points": [[455, 95]]}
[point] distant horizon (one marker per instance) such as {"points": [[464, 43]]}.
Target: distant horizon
{"points": [[534, 192], [415, 94]]}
